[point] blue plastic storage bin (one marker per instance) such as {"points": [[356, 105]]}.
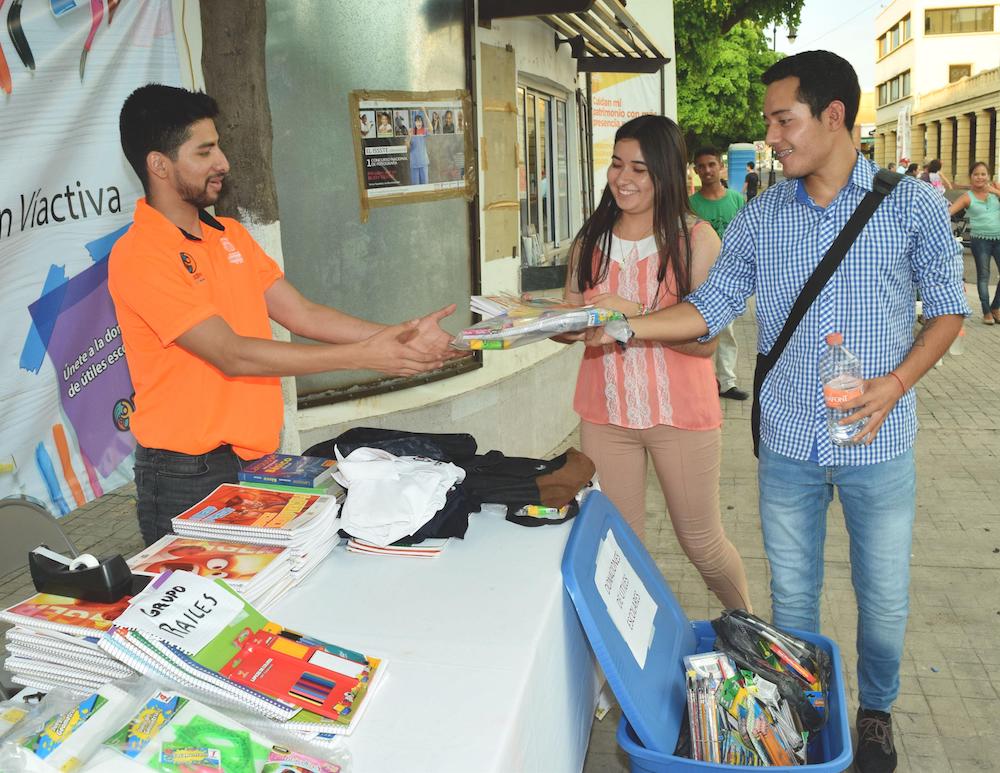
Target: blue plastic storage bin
{"points": [[652, 697]]}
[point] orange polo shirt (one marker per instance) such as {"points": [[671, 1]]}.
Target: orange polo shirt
{"points": [[163, 282]]}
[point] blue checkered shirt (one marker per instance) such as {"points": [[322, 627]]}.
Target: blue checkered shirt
{"points": [[772, 246]]}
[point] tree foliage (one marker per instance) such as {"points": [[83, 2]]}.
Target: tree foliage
{"points": [[722, 48]]}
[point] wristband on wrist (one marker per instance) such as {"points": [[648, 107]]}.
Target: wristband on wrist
{"points": [[901, 384]]}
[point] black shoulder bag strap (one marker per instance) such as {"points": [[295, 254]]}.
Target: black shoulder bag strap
{"points": [[882, 186]]}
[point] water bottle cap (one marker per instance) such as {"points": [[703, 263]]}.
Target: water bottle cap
{"points": [[835, 339]]}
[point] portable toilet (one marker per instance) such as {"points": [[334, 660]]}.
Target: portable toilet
{"points": [[740, 154]]}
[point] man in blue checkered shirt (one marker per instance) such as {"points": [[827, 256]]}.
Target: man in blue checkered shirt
{"points": [[770, 248]]}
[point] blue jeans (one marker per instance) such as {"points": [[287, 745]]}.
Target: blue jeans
{"points": [[168, 482], [879, 501], [982, 251]]}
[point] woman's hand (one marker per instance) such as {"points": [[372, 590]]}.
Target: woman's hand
{"points": [[569, 338], [595, 336], [616, 303]]}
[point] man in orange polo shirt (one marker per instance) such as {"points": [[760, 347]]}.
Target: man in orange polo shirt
{"points": [[194, 295]]}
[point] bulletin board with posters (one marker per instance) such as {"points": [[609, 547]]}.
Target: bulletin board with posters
{"points": [[411, 146]]}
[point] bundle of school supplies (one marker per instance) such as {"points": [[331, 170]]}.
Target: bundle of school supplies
{"points": [[801, 670], [54, 643], [306, 524], [758, 697], [262, 574], [507, 331], [137, 725], [201, 634], [65, 731]]}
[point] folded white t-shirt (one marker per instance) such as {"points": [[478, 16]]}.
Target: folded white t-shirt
{"points": [[390, 497]]}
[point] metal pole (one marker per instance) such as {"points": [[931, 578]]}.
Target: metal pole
{"points": [[774, 47]]}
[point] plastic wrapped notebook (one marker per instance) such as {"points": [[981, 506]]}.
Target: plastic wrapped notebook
{"points": [[506, 331]]}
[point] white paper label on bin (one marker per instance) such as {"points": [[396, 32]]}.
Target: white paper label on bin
{"points": [[629, 604]]}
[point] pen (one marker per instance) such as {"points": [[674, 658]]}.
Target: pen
{"points": [[794, 664]]}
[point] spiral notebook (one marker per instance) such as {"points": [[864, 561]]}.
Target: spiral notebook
{"points": [[202, 634]]}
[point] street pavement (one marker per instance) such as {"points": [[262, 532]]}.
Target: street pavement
{"points": [[947, 716]]}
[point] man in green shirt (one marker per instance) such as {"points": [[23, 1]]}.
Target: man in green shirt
{"points": [[718, 205]]}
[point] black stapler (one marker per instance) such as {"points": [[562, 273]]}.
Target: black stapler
{"points": [[85, 577]]}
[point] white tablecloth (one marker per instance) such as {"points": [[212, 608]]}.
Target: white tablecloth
{"points": [[488, 667]]}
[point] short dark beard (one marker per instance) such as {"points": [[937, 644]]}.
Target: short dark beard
{"points": [[197, 198]]}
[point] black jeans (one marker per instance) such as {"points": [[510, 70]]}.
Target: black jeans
{"points": [[168, 482]]}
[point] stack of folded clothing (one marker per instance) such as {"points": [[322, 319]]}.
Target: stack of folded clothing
{"points": [[389, 461], [392, 497]]}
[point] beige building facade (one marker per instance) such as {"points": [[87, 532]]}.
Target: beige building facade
{"points": [[938, 84]]}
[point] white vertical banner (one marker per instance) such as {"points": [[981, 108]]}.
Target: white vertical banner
{"points": [[615, 99], [903, 134], [67, 194]]}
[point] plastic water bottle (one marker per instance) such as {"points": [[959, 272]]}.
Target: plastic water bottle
{"points": [[958, 345], [840, 372]]}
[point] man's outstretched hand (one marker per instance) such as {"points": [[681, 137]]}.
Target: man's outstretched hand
{"points": [[409, 348]]}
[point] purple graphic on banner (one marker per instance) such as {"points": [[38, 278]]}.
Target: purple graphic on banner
{"points": [[77, 322]]}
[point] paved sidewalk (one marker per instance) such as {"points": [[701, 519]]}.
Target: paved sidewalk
{"points": [[947, 715]]}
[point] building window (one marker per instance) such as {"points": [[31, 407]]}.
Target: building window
{"points": [[955, 21], [543, 173], [958, 71], [894, 37], [894, 88]]}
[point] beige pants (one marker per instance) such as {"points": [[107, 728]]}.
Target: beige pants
{"points": [[687, 465]]}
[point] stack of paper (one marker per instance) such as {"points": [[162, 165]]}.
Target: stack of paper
{"points": [[428, 548], [514, 305], [262, 574], [306, 524], [201, 634], [54, 643]]}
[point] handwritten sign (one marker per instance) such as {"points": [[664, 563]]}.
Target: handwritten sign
{"points": [[629, 604], [183, 609]]}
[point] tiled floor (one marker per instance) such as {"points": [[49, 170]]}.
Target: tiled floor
{"points": [[947, 717], [948, 714]]}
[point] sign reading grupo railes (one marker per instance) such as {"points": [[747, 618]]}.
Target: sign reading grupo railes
{"points": [[410, 145]]}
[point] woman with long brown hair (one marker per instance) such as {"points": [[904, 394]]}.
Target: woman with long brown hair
{"points": [[644, 246]]}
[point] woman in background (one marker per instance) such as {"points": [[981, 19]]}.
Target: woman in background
{"points": [[643, 250], [982, 201], [936, 177]]}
